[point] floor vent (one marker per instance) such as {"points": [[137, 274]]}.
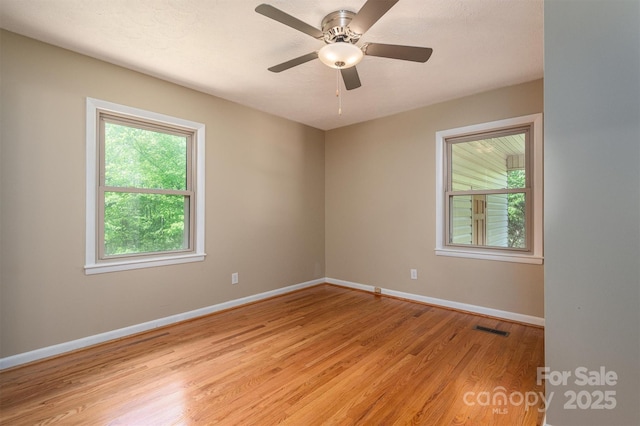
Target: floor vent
{"points": [[491, 330]]}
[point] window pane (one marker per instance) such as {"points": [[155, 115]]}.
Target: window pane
{"points": [[145, 223], [491, 220], [138, 158], [484, 164]]}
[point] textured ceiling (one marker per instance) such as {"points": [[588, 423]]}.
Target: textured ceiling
{"points": [[223, 47]]}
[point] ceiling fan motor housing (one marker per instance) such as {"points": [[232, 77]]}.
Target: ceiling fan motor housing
{"points": [[335, 27]]}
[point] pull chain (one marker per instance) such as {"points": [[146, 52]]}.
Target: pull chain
{"points": [[338, 92]]}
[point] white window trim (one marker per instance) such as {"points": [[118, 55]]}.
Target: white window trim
{"points": [[92, 266], [535, 256]]}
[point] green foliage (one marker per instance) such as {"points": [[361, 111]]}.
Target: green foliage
{"points": [[144, 222], [516, 210], [138, 158]]}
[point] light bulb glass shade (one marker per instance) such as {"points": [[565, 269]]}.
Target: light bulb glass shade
{"points": [[340, 55]]}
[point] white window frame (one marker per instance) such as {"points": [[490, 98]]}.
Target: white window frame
{"points": [[95, 265], [535, 255]]}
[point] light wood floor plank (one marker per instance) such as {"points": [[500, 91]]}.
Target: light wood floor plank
{"points": [[322, 355]]}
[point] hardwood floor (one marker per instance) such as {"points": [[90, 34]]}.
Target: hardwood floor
{"points": [[323, 355]]}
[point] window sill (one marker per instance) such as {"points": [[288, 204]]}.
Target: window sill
{"points": [[124, 265], [501, 257]]}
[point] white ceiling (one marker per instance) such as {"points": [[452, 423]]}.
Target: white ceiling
{"points": [[223, 47]]}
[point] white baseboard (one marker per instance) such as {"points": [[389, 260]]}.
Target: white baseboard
{"points": [[49, 351], [512, 316], [23, 358]]}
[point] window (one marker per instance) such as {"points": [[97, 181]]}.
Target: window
{"points": [[489, 191], [145, 189]]}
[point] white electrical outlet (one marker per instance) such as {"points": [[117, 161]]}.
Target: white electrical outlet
{"points": [[414, 274], [234, 278]]}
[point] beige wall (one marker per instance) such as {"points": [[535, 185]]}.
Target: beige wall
{"points": [[380, 206], [264, 201]]}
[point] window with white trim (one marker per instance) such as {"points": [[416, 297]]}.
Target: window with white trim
{"points": [[489, 191], [145, 189]]}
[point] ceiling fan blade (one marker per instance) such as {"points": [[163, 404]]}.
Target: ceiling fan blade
{"points": [[369, 14], [406, 53], [284, 18], [293, 62], [350, 78]]}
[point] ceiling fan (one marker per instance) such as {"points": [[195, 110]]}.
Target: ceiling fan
{"points": [[341, 31]]}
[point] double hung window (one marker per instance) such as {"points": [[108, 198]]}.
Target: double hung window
{"points": [[144, 172], [490, 191]]}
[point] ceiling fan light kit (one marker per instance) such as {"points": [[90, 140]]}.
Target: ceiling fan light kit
{"points": [[340, 55], [341, 30]]}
